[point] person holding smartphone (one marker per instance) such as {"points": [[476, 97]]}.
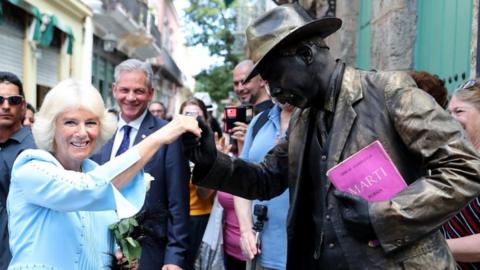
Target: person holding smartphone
{"points": [[252, 92], [201, 199]]}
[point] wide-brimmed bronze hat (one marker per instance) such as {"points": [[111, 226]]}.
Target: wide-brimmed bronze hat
{"points": [[281, 25]]}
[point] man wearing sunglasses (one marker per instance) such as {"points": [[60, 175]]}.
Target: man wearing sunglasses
{"points": [[13, 139], [341, 111]]}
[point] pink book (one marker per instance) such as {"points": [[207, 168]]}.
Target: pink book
{"points": [[369, 173]]}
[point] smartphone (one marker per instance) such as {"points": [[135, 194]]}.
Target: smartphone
{"points": [[188, 113], [234, 114]]}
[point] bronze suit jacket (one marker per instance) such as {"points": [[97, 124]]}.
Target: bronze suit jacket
{"points": [[425, 143]]}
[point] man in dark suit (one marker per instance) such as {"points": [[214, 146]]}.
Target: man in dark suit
{"points": [[13, 139], [165, 244]]}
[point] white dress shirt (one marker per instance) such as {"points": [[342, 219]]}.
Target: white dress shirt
{"points": [[135, 124]]}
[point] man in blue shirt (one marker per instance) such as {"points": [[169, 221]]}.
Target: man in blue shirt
{"points": [[13, 139], [253, 92], [274, 236]]}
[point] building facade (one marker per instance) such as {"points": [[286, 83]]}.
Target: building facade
{"points": [[437, 36], [43, 42], [139, 29], [173, 87], [46, 41]]}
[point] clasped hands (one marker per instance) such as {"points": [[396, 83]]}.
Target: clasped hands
{"points": [[200, 150]]}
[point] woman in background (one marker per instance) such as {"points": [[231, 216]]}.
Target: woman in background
{"points": [[463, 230], [201, 199], [61, 203], [29, 116]]}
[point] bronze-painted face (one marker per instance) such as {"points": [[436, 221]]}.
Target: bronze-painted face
{"points": [[291, 78]]}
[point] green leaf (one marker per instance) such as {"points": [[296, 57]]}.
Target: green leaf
{"points": [[126, 252], [136, 253], [130, 247], [132, 242], [117, 235], [123, 227], [133, 253], [133, 222]]}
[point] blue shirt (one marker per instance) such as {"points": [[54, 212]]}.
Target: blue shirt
{"points": [[274, 235], [58, 219]]}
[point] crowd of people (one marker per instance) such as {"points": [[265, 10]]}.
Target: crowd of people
{"points": [[72, 170]]}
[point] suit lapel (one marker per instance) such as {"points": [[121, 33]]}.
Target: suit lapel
{"points": [[107, 152], [345, 115], [146, 128], [296, 149], [298, 140]]}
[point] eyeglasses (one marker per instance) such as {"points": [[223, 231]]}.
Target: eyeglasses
{"points": [[12, 100], [468, 84]]}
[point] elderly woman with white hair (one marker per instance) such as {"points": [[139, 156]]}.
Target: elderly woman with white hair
{"points": [[463, 230], [61, 203]]}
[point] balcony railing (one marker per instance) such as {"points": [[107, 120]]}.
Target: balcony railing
{"points": [[137, 9], [156, 33]]}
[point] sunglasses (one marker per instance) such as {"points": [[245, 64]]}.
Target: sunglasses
{"points": [[12, 100], [468, 84]]}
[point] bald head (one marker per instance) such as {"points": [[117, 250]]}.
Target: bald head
{"points": [[251, 92], [245, 63]]}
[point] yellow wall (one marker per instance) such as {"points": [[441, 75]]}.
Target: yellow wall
{"points": [[69, 12]]}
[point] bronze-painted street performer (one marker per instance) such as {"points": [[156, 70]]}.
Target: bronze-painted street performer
{"points": [[341, 110]]}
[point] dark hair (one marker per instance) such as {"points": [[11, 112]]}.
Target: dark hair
{"points": [[8, 77], [433, 85], [114, 112], [199, 103], [31, 108]]}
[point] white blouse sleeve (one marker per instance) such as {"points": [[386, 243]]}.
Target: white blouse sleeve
{"points": [[44, 182]]}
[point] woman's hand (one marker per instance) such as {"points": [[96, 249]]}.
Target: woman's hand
{"points": [[122, 262], [179, 125]]}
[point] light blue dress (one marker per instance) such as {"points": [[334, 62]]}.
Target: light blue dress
{"points": [[58, 219]]}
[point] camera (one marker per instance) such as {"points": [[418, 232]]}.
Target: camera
{"points": [[191, 113], [260, 211], [232, 114]]}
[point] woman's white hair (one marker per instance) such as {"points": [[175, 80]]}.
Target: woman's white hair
{"points": [[70, 94]]}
